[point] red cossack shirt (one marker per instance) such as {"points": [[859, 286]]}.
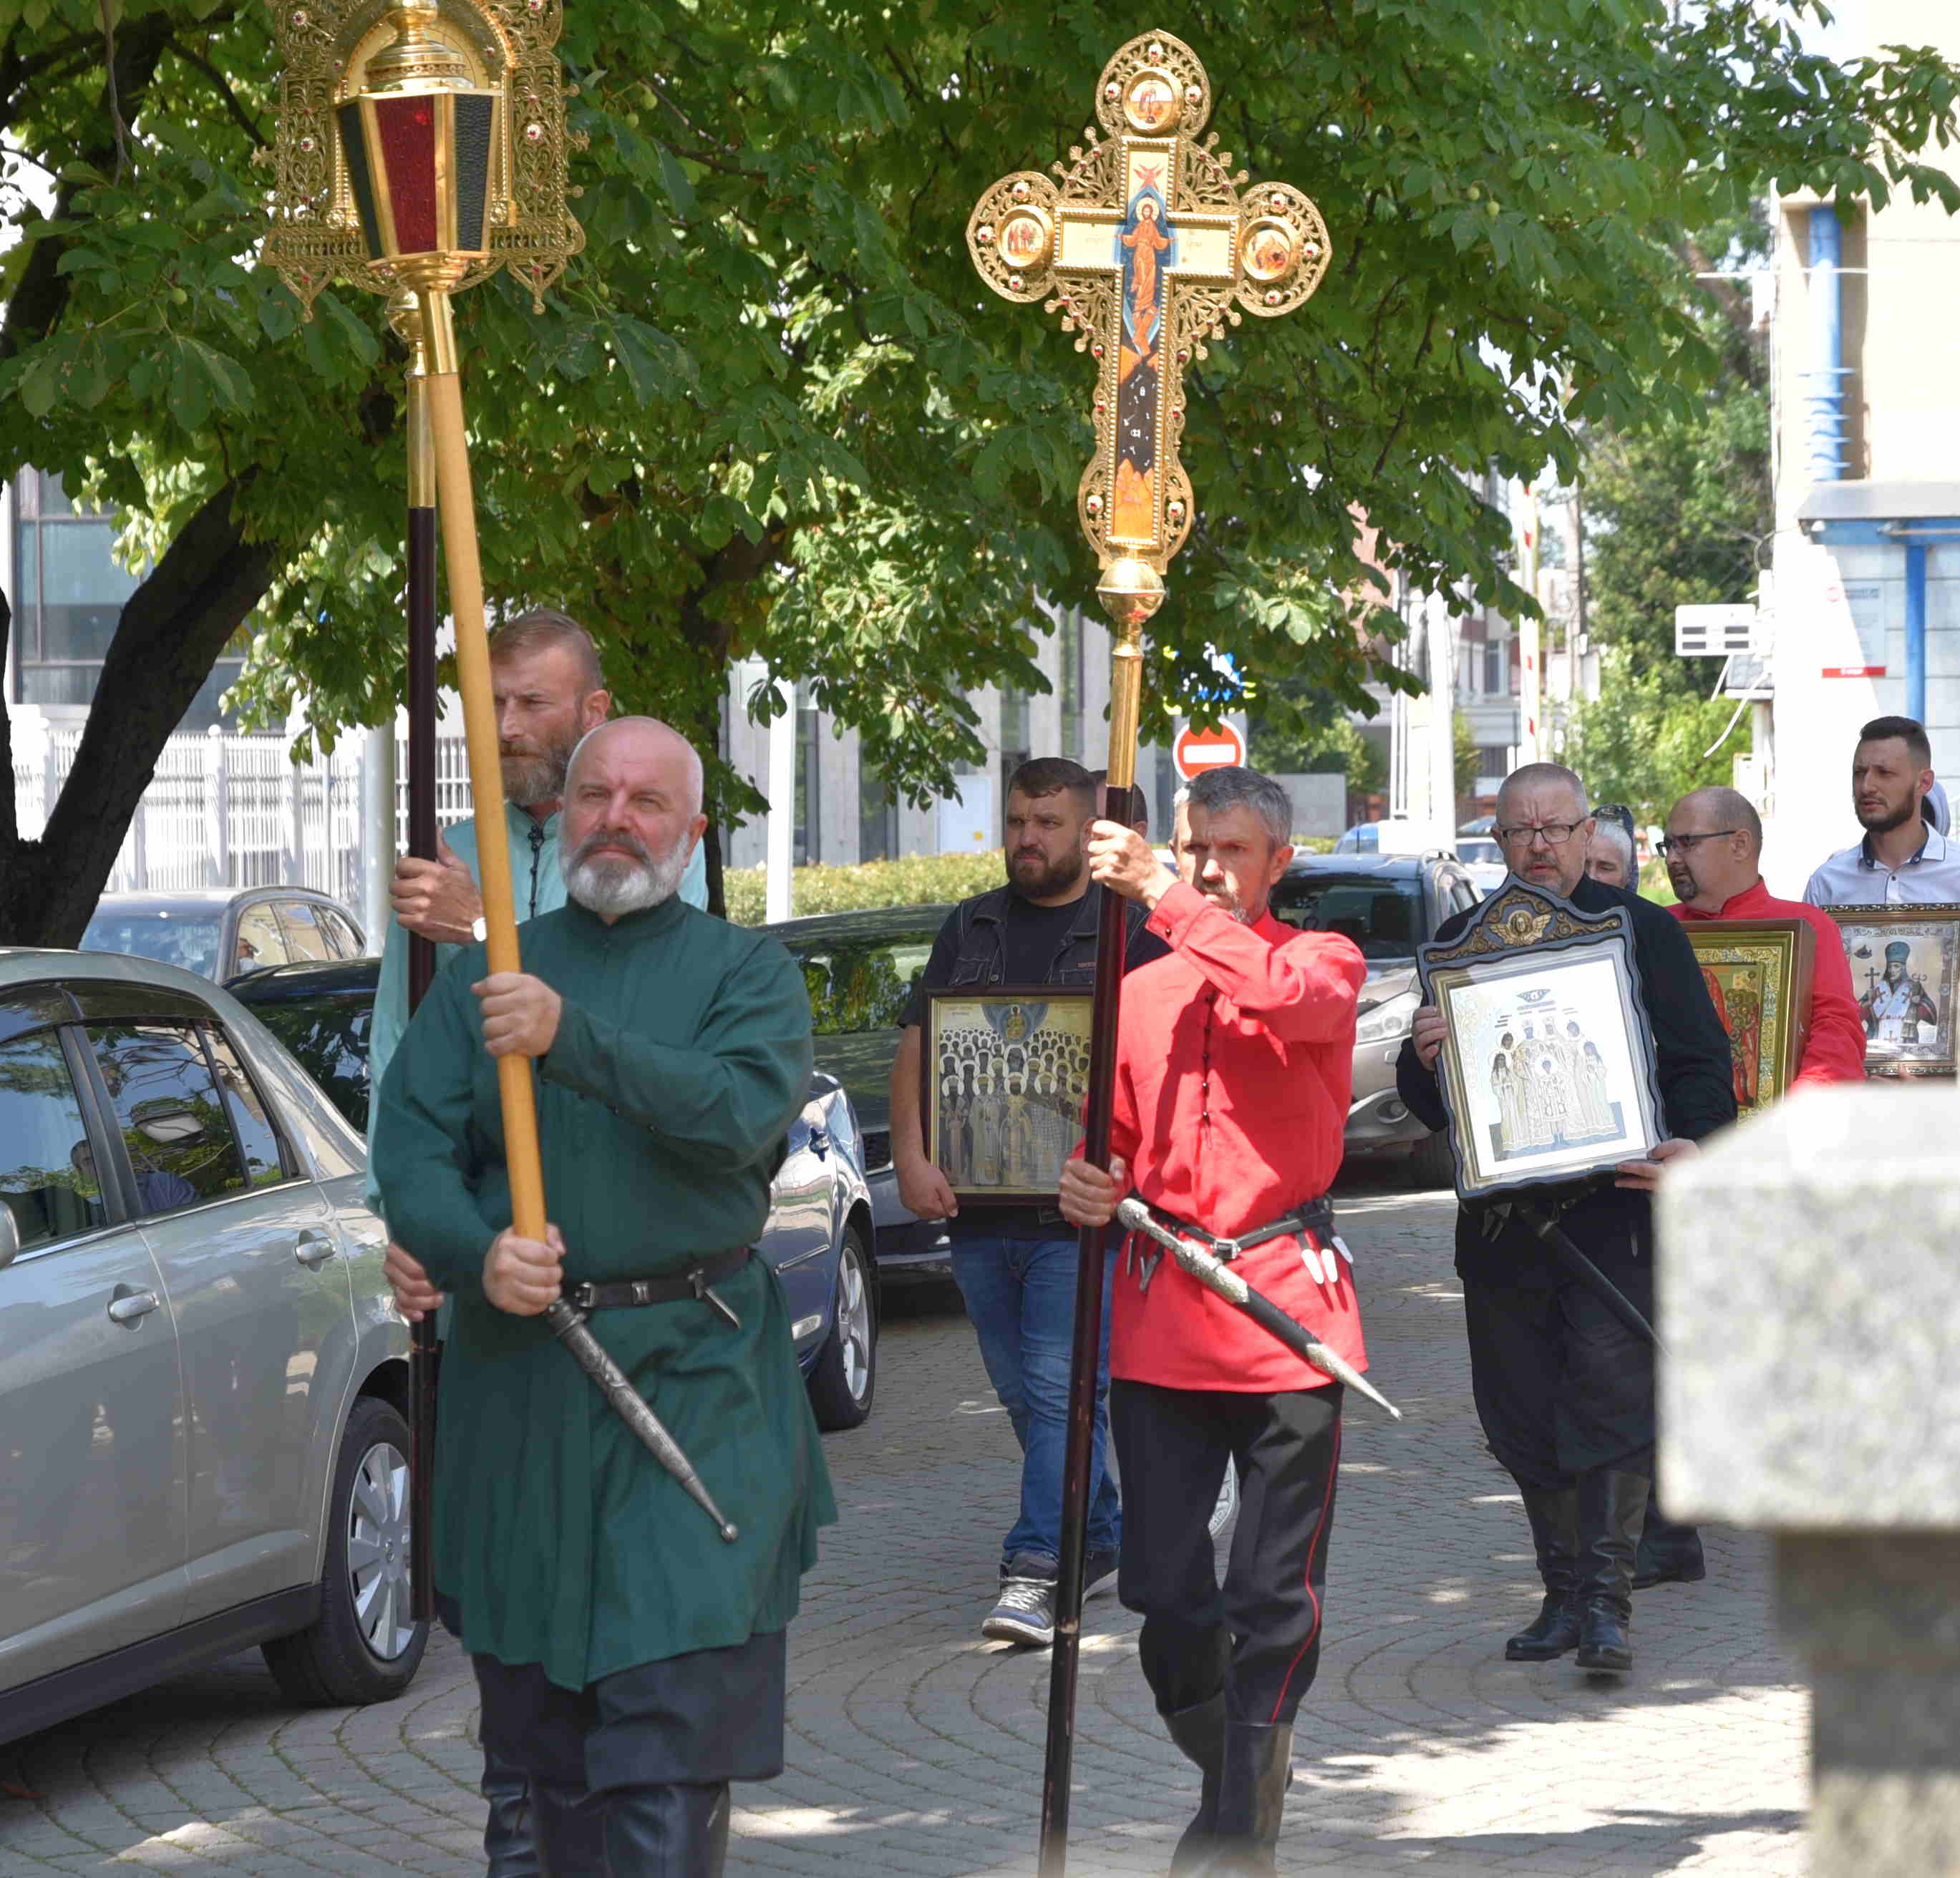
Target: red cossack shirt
{"points": [[1834, 1050], [1235, 1062]]}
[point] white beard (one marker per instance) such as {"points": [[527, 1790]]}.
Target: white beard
{"points": [[617, 885]]}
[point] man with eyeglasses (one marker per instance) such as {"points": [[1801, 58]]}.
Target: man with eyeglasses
{"points": [[1713, 852], [1903, 858], [1564, 1391]]}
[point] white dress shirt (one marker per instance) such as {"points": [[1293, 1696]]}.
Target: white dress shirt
{"points": [[1856, 878]]}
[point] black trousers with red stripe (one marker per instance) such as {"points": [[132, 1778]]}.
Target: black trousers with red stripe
{"points": [[1257, 1636]]}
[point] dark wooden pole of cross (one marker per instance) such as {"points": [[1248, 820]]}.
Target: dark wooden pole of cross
{"points": [[405, 314], [1147, 244]]}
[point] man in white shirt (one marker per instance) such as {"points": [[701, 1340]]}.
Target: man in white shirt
{"points": [[1902, 860]]}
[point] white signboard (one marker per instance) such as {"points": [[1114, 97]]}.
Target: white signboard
{"points": [[1714, 632]]}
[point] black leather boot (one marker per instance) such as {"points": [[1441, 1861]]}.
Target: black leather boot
{"points": [[507, 1850], [568, 1828], [1612, 1506], [1199, 1732], [1554, 1525], [1669, 1554], [1253, 1777], [677, 1831]]}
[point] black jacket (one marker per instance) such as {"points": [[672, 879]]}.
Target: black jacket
{"points": [[1613, 1225]]}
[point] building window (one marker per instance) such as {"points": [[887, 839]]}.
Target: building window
{"points": [[1013, 736], [807, 841], [68, 601], [1494, 759], [877, 814], [1069, 628], [1494, 668]]}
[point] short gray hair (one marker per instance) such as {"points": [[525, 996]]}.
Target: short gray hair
{"points": [[1609, 834], [1236, 786], [1545, 776]]}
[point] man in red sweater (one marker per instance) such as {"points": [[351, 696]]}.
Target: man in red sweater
{"points": [[1234, 1063], [1714, 849]]}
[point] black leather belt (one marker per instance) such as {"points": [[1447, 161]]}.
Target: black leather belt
{"points": [[1316, 1216], [618, 1294]]}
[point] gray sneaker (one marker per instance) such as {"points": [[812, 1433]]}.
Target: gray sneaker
{"points": [[1025, 1612]]}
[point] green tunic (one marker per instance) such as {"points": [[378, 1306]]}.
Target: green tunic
{"points": [[682, 1056]]}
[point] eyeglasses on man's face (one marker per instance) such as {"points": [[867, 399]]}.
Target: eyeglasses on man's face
{"points": [[1556, 834], [1685, 844]]}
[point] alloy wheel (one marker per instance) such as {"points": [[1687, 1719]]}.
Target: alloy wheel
{"points": [[378, 1523]]}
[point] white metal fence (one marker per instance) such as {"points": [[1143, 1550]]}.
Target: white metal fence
{"points": [[236, 812]]}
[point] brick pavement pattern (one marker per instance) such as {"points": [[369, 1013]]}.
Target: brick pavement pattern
{"points": [[915, 1749]]}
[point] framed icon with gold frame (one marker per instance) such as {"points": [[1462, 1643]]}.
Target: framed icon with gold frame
{"points": [[1758, 975], [1905, 975], [1003, 1072]]}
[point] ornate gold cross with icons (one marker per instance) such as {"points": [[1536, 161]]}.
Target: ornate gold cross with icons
{"points": [[1147, 247]]}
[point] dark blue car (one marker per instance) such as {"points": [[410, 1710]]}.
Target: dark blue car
{"points": [[820, 1236]]}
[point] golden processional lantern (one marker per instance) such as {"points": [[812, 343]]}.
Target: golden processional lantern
{"points": [[421, 146]]}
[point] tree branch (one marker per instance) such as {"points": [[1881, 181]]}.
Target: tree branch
{"points": [[238, 111]]}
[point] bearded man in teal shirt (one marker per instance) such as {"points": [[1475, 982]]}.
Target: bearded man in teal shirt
{"points": [[630, 1663]]}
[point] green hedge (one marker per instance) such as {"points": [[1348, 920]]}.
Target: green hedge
{"points": [[922, 881]]}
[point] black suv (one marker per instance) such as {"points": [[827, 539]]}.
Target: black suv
{"points": [[1388, 905]]}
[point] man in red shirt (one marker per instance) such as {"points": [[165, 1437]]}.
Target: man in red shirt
{"points": [[1233, 1068], [1714, 849]]}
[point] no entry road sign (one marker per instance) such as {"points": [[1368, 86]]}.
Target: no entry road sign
{"points": [[1209, 747]]}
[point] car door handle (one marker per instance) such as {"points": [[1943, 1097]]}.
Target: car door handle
{"points": [[314, 1249], [132, 1307]]}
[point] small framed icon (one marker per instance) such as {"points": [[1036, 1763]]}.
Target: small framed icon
{"points": [[1758, 976], [1547, 1067], [1003, 1070], [1905, 970]]}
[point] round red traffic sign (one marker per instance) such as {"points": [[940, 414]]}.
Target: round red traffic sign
{"points": [[1206, 747]]}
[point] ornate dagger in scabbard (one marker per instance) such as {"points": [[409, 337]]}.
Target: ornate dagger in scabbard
{"points": [[1215, 1275], [1148, 244], [569, 1327]]}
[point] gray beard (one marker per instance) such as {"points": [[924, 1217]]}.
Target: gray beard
{"points": [[529, 780], [615, 885]]}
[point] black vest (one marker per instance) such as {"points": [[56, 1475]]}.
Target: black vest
{"points": [[982, 939]]}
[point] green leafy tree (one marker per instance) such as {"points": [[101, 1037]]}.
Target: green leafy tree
{"points": [[1645, 742], [771, 411]]}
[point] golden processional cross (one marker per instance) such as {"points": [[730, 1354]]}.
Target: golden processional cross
{"points": [[1148, 246]]}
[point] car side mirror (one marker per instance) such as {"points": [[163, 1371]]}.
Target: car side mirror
{"points": [[10, 1235]]}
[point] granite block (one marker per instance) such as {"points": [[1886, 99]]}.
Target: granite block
{"points": [[1809, 1289]]}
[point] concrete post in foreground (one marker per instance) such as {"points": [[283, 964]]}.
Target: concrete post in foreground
{"points": [[1809, 1292]]}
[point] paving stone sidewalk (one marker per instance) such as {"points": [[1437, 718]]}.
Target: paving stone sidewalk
{"points": [[916, 1749]]}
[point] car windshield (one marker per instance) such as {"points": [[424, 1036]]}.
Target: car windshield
{"points": [[858, 990], [328, 1035], [1381, 915], [1478, 853], [171, 938]]}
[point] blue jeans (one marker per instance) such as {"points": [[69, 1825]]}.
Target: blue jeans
{"points": [[1020, 1294]]}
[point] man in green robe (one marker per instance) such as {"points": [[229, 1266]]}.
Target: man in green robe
{"points": [[629, 1661]]}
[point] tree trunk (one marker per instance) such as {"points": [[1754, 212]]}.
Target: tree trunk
{"points": [[172, 630]]}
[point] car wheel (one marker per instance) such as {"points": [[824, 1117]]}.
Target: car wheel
{"points": [[1430, 1163], [363, 1646], [840, 1385]]}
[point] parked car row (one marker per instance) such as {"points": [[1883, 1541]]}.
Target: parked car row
{"points": [[223, 933], [203, 1381]]}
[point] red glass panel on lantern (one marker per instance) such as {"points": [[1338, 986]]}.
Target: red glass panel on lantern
{"points": [[406, 132]]}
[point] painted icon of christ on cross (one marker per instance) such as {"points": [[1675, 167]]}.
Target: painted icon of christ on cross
{"points": [[1145, 237]]}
